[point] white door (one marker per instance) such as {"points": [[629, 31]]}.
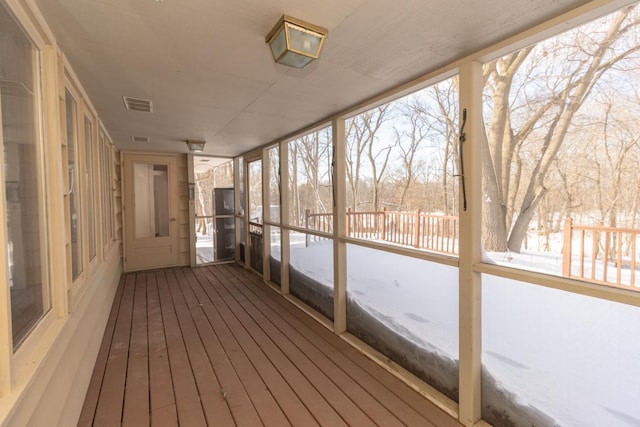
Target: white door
{"points": [[150, 209]]}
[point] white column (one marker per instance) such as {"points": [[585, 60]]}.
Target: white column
{"points": [[191, 179], [339, 229], [470, 244], [284, 217]]}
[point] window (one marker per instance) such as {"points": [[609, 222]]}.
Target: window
{"points": [[400, 171], [555, 358], [310, 185], [274, 184], [73, 191], [560, 178], [23, 178], [407, 309], [109, 156], [255, 192], [560, 196], [106, 181], [92, 201], [311, 271]]}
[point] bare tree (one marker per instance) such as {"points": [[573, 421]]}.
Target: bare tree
{"points": [[408, 141], [361, 131], [534, 96], [314, 151]]}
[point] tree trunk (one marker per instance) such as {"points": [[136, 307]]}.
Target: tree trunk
{"points": [[520, 226]]}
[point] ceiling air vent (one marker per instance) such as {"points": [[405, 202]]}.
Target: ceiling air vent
{"points": [[138, 104], [140, 138]]}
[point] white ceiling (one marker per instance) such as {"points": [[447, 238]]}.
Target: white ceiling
{"points": [[205, 65]]}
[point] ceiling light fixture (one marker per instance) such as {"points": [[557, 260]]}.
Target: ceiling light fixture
{"points": [[195, 146], [294, 42]]}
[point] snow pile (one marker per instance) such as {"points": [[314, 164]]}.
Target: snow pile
{"points": [[549, 357]]}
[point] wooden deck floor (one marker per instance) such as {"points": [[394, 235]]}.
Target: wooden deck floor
{"points": [[214, 346]]}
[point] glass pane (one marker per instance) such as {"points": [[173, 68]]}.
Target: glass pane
{"points": [[105, 188], [255, 192], [555, 358], [310, 187], [407, 309], [204, 184], [241, 233], [22, 173], [256, 239], [109, 193], [279, 44], [204, 240], [223, 175], [311, 271], [74, 179], [91, 200], [275, 255], [214, 206], [560, 171], [225, 238], [151, 196], [302, 41], [401, 171], [274, 184]]}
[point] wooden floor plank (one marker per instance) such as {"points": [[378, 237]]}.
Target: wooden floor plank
{"points": [[214, 401], [188, 404], [136, 398], [93, 392], [329, 391], [109, 410], [304, 389], [215, 346], [161, 396], [231, 387], [291, 405], [358, 394], [361, 369], [166, 416]]}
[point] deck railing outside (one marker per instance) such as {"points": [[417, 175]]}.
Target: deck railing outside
{"points": [[438, 233], [255, 247], [604, 255]]}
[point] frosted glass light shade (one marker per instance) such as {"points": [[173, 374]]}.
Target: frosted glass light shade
{"points": [[195, 146], [294, 42]]}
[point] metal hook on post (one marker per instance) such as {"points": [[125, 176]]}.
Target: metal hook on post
{"points": [[461, 139]]}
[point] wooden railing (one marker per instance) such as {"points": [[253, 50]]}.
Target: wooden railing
{"points": [[438, 233], [255, 245], [604, 255]]}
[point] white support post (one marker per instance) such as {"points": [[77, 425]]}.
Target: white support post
{"points": [[192, 209], [339, 229], [284, 217], [266, 215], [236, 204], [245, 218], [470, 252]]}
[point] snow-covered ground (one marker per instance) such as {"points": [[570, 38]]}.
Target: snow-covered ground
{"points": [[204, 248], [574, 358]]}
